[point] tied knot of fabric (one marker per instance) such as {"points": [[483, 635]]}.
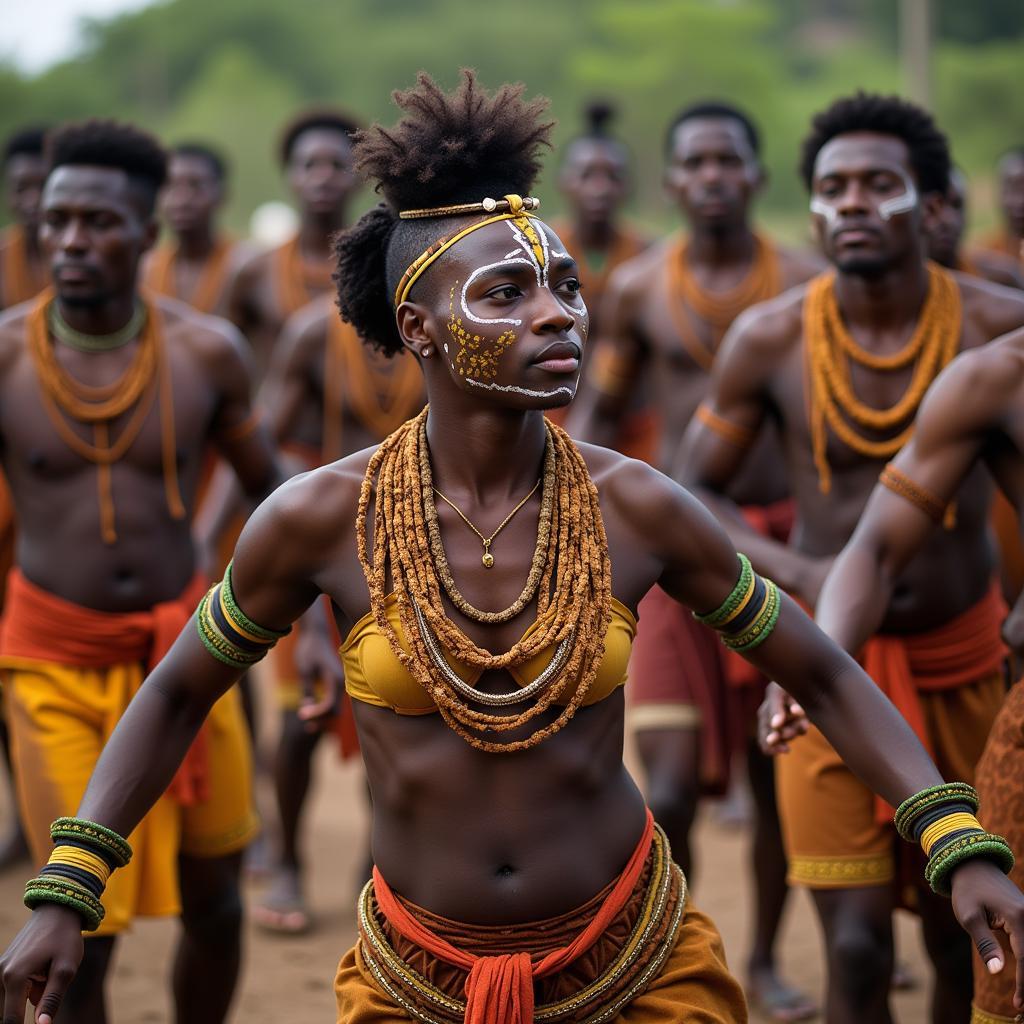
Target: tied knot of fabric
{"points": [[500, 989]]}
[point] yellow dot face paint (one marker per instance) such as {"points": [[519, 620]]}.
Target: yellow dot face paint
{"points": [[476, 356]]}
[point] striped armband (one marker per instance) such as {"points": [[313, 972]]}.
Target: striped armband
{"points": [[748, 615], [84, 856], [228, 633], [942, 819]]}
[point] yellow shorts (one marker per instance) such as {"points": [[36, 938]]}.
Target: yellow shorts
{"points": [[60, 718]]}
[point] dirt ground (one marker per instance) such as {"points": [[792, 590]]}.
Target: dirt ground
{"points": [[290, 979]]}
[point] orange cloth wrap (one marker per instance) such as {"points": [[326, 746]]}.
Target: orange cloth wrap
{"points": [[40, 625], [499, 989], [960, 652]]}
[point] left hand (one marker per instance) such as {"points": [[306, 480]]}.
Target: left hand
{"points": [[984, 899], [322, 679]]}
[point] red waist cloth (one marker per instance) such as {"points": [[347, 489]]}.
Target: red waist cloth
{"points": [[499, 989], [964, 650], [44, 627]]}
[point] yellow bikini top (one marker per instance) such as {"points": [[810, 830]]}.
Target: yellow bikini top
{"points": [[375, 676]]}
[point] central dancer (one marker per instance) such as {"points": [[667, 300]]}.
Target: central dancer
{"points": [[518, 875]]}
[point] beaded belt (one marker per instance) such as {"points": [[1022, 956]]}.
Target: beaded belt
{"points": [[630, 971]]}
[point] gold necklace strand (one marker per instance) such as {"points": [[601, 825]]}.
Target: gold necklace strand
{"points": [[65, 333], [482, 696], [573, 602], [539, 554], [488, 558]]}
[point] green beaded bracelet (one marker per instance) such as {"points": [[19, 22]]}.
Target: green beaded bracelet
{"points": [[103, 840], [914, 806], [735, 598], [66, 893], [978, 844]]}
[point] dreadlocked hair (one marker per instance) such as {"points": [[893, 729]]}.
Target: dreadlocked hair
{"points": [[449, 148], [113, 144], [885, 115]]}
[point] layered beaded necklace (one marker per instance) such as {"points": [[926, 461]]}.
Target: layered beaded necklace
{"points": [[570, 577]]}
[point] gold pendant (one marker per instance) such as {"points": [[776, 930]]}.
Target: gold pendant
{"points": [[488, 558]]}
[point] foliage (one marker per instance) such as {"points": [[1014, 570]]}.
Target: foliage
{"points": [[233, 71]]}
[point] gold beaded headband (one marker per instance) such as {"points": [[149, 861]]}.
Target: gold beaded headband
{"points": [[514, 208]]}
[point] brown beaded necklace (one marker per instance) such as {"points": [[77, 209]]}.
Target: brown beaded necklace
{"points": [[298, 281], [160, 275], [573, 604]]}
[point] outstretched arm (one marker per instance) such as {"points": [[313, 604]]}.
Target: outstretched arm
{"points": [[960, 413], [701, 570], [274, 582]]}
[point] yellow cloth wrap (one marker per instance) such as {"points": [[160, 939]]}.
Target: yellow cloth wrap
{"points": [[60, 718], [78, 858], [947, 826], [425, 260]]}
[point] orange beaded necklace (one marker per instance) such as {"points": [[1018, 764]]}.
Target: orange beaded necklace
{"points": [[21, 278], [829, 349], [161, 277], [147, 378], [689, 301], [298, 281]]}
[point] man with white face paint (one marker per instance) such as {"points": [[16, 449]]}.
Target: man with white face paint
{"points": [[840, 365]]}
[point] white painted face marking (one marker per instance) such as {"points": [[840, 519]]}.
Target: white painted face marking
{"points": [[464, 302], [529, 392], [887, 209]]}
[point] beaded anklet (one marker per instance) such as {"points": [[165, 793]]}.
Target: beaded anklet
{"points": [[228, 633], [942, 819], [76, 874], [748, 615]]}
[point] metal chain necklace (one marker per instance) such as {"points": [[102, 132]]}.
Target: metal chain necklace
{"points": [[67, 335], [488, 558]]}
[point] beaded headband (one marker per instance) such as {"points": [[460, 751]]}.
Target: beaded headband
{"points": [[513, 207]]}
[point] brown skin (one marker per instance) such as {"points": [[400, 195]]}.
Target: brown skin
{"points": [[594, 180], [533, 828], [945, 240], [1011, 194], [190, 204], [95, 229], [24, 175], [759, 376], [321, 179], [713, 177]]}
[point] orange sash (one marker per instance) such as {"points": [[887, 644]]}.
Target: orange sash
{"points": [[44, 627], [499, 989]]}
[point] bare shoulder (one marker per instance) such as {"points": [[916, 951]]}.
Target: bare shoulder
{"points": [[310, 514], [767, 331], [215, 342], [634, 277], [641, 496], [988, 376], [992, 308], [305, 331], [798, 265], [12, 333], [998, 267]]}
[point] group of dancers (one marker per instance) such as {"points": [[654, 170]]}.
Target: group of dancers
{"points": [[477, 484]]}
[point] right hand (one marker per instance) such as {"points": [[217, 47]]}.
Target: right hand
{"points": [[40, 964], [780, 719]]}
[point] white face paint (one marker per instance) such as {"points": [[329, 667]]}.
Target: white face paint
{"points": [[887, 209], [529, 392]]}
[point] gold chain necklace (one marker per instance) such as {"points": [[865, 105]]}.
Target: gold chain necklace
{"points": [[488, 558]]}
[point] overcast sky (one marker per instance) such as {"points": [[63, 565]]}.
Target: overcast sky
{"points": [[37, 33]]}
